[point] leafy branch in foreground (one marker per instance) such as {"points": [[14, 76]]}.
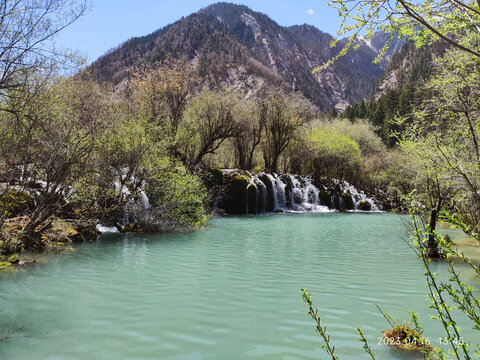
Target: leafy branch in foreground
{"points": [[421, 21], [307, 297], [366, 347]]}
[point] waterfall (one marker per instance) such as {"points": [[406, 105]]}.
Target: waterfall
{"points": [[358, 196], [273, 182], [137, 203], [255, 193]]}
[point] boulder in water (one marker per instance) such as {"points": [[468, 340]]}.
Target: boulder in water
{"points": [[364, 205], [325, 197], [235, 200], [347, 201], [128, 228], [406, 338], [252, 199]]}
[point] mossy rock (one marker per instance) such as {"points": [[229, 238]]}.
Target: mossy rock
{"points": [[235, 201], [86, 231], [10, 244], [14, 203], [406, 338], [364, 205], [347, 201], [270, 205], [5, 264], [325, 198], [252, 199], [215, 176], [135, 227], [63, 232]]}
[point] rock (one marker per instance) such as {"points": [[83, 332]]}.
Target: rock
{"points": [[129, 228], [279, 211], [347, 201], [325, 197], [406, 338], [297, 197], [236, 194], [364, 205], [252, 199], [71, 230], [288, 190], [14, 203], [213, 176], [270, 205]]}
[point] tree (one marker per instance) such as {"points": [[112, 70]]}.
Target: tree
{"points": [[334, 155], [27, 28], [164, 91], [252, 119], [445, 133], [210, 120], [284, 115], [47, 143]]}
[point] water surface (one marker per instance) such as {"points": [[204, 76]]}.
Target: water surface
{"points": [[230, 291]]}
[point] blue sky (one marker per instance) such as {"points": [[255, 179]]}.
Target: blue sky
{"points": [[108, 23]]}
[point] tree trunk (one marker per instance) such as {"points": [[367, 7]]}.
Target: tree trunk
{"points": [[432, 245]]}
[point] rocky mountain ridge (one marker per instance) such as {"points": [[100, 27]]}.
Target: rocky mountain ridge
{"points": [[248, 50]]}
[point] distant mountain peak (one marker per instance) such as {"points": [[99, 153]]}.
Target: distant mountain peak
{"points": [[247, 49]]}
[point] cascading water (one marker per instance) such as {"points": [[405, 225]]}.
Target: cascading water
{"points": [[254, 193], [358, 196], [135, 205], [305, 195]]}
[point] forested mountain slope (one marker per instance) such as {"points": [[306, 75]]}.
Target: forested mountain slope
{"points": [[247, 49]]}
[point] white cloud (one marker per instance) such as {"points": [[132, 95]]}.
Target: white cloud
{"points": [[310, 12]]}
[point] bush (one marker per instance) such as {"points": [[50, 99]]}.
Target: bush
{"points": [[334, 155]]}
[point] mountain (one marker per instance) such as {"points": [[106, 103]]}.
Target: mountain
{"points": [[399, 90], [246, 49]]}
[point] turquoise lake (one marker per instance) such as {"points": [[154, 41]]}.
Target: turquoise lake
{"points": [[229, 291]]}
